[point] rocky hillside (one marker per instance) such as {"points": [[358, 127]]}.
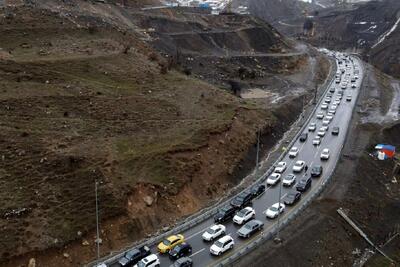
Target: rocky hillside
{"points": [[366, 27], [90, 93]]}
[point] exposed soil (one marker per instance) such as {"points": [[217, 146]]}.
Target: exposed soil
{"points": [[86, 96], [366, 188]]}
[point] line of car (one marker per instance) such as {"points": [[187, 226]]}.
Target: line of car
{"points": [[239, 210]]}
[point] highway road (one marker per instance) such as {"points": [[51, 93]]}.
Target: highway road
{"points": [[307, 152]]}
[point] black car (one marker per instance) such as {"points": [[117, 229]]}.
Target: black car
{"points": [[224, 214], [335, 131], [257, 190], [304, 184], [180, 251], [303, 137], [183, 262], [134, 256], [242, 200], [292, 198], [316, 171]]}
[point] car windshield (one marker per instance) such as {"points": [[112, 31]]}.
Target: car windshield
{"points": [[315, 169], [303, 181], [175, 250], [289, 177], [131, 253], [219, 244], [141, 264], [166, 242], [210, 231], [294, 149], [298, 164], [291, 196], [241, 213], [274, 208], [248, 226], [239, 199]]}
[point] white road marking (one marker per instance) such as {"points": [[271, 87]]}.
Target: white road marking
{"points": [[315, 155], [197, 252], [284, 196]]}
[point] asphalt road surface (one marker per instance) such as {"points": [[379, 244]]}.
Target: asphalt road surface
{"points": [[307, 152]]}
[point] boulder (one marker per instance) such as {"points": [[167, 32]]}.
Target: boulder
{"points": [[148, 200]]}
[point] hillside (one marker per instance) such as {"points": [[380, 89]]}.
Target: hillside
{"points": [[358, 27], [90, 93]]}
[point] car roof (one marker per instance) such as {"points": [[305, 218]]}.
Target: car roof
{"points": [[276, 205], [225, 238], [183, 259], [172, 237], [215, 226], [253, 222], [325, 150], [150, 257]]}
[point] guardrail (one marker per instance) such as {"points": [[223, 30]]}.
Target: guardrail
{"points": [[264, 237], [207, 213]]}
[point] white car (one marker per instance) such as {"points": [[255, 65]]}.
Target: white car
{"points": [[273, 211], [330, 114], [312, 127], [244, 215], [337, 102], [332, 111], [325, 128], [348, 98], [353, 85], [299, 166], [273, 179], [326, 121], [221, 245], [321, 132], [320, 115], [324, 106], [338, 99], [213, 232], [293, 152], [327, 100], [329, 117], [289, 180], [343, 86], [333, 107], [316, 141], [325, 154], [280, 167], [150, 261]]}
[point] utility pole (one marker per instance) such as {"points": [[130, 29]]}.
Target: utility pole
{"points": [[315, 95], [277, 239], [258, 151], [97, 222]]}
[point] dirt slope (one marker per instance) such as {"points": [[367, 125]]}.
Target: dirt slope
{"points": [[85, 97]]}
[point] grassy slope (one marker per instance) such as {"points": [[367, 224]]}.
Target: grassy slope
{"points": [[75, 109]]}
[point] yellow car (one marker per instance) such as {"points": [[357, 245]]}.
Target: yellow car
{"points": [[170, 242]]}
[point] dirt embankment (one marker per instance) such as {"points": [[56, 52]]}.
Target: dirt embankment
{"points": [[84, 100], [366, 188]]}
